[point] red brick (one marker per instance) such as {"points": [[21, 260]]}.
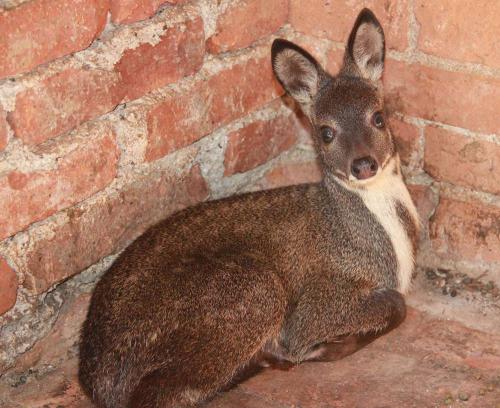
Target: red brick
{"points": [[3, 129], [108, 225], [460, 29], [184, 118], [461, 160], [290, 174], [334, 19], [62, 102], [246, 21], [128, 11], [39, 31], [335, 58], [455, 98], [29, 197], [241, 89], [406, 137], [258, 142], [8, 287], [466, 230], [179, 53]]}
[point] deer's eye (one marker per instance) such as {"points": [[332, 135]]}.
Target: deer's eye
{"points": [[378, 120], [327, 134]]}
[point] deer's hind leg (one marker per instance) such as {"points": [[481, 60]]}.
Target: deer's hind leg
{"points": [[238, 308]]}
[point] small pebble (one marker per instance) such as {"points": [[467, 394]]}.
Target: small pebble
{"points": [[430, 274], [463, 396], [482, 391], [453, 293], [449, 400], [491, 387]]}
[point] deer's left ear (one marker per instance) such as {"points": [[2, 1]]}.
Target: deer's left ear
{"points": [[365, 52]]}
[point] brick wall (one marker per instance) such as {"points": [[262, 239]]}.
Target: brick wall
{"points": [[119, 112]]}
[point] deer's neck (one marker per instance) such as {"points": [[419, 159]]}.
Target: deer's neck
{"points": [[382, 219]]}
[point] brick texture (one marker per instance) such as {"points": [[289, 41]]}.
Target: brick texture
{"points": [[461, 160], [335, 59], [33, 196], [179, 53], [424, 201], [466, 230], [105, 227], [8, 287], [62, 102], [128, 11], [3, 129], [460, 29], [291, 174], [182, 119], [264, 16], [334, 19], [454, 98], [30, 34], [258, 142], [406, 137]]}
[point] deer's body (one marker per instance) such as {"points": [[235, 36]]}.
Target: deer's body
{"points": [[192, 301]]}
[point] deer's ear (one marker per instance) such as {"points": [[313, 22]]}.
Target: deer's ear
{"points": [[298, 72], [365, 52]]}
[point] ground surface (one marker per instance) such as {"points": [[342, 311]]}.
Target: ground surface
{"points": [[446, 354]]}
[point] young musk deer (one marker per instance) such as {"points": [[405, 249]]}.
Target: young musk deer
{"points": [[198, 296]]}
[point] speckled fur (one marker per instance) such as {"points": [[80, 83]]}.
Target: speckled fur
{"points": [[196, 298]]}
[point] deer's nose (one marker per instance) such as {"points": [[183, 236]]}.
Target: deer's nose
{"points": [[364, 168]]}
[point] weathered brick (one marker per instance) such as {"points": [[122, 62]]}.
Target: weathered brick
{"points": [[334, 19], [455, 98], [460, 29], [62, 102], [335, 58], [241, 89], [65, 334], [108, 225], [29, 197], [258, 142], [461, 160], [291, 173], [246, 21], [184, 118], [39, 31], [406, 137], [3, 129], [424, 200], [466, 230], [128, 11], [179, 53], [8, 287]]}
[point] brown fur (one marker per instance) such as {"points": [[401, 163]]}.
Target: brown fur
{"points": [[195, 299]]}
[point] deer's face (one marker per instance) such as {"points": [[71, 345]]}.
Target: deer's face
{"points": [[350, 129], [346, 110]]}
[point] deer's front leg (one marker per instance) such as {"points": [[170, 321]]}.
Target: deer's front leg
{"points": [[332, 320]]}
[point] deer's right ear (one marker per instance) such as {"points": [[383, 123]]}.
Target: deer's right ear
{"points": [[297, 71]]}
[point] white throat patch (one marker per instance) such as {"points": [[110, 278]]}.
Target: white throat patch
{"points": [[380, 196]]}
